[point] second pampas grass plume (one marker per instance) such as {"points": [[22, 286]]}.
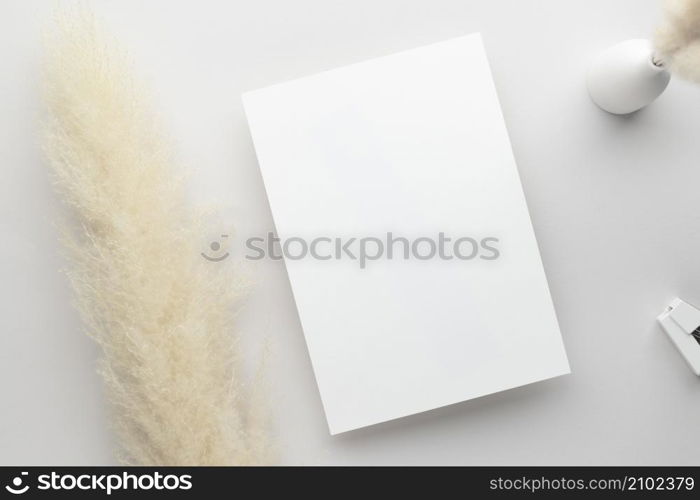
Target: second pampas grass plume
{"points": [[677, 40], [162, 315]]}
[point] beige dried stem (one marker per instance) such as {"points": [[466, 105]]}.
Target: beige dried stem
{"points": [[162, 314]]}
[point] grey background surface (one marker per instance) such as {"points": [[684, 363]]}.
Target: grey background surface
{"points": [[614, 203]]}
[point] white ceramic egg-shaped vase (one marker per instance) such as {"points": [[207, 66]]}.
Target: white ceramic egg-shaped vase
{"points": [[624, 78]]}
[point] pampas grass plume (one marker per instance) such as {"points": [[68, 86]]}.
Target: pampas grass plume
{"points": [[677, 40], [162, 315]]}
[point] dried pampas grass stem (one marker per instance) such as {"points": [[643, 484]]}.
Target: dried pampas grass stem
{"points": [[161, 313]]}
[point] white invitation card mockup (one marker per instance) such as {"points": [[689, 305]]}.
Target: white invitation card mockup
{"points": [[408, 151]]}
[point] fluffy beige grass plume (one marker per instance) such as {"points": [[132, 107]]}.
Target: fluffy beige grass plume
{"points": [[162, 314], [677, 40]]}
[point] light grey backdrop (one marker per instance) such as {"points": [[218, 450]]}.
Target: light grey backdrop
{"points": [[614, 202]]}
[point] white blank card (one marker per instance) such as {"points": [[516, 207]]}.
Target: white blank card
{"points": [[413, 144]]}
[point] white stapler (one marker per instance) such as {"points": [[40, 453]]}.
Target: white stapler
{"points": [[682, 324]]}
